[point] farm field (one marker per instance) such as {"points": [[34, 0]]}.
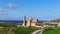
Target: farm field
{"points": [[52, 31], [17, 30]]}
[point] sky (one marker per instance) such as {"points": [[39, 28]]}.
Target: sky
{"points": [[40, 9]]}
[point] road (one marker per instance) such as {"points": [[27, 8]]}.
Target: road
{"points": [[39, 32]]}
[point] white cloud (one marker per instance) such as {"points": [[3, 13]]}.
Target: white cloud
{"points": [[12, 5], [2, 12]]}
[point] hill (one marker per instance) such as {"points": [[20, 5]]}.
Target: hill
{"points": [[56, 20]]}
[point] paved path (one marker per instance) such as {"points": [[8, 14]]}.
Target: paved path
{"points": [[38, 31]]}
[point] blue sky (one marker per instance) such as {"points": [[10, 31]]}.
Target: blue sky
{"points": [[41, 9]]}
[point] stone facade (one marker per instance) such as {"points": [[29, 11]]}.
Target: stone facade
{"points": [[30, 22], [24, 21]]}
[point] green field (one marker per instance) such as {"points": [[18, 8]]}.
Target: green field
{"points": [[52, 31], [4, 30], [23, 30], [16, 30]]}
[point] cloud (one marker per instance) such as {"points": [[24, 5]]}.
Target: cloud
{"points": [[12, 5], [2, 12]]}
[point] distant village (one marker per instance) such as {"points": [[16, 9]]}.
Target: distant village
{"points": [[35, 23], [32, 23]]}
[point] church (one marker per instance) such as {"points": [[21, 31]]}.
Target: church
{"points": [[30, 22]]}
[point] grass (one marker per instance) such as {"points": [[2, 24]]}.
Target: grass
{"points": [[23, 30], [18, 30], [4, 30], [52, 31]]}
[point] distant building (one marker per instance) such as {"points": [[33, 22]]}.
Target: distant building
{"points": [[19, 24], [35, 23], [30, 22]]}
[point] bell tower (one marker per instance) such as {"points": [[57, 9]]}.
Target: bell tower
{"points": [[24, 21], [29, 22]]}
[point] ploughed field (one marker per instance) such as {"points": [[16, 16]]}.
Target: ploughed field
{"points": [[17, 30], [51, 31]]}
